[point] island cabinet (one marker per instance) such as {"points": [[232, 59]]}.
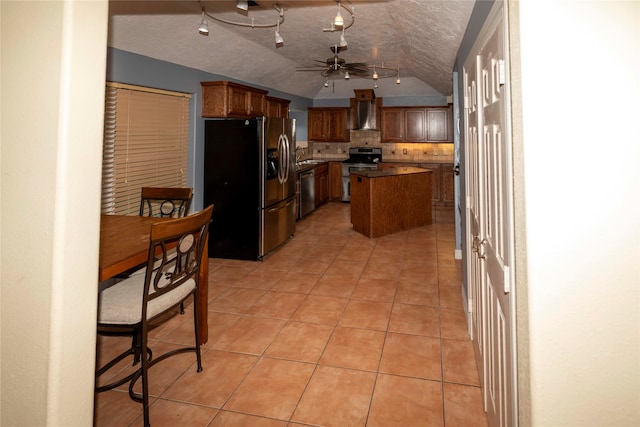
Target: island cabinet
{"points": [[321, 183], [277, 107], [390, 200], [416, 124], [328, 124], [442, 188], [228, 99]]}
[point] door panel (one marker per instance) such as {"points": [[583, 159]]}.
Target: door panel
{"points": [[490, 226], [500, 408]]}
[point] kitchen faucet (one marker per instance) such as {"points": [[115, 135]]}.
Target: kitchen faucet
{"points": [[298, 156]]}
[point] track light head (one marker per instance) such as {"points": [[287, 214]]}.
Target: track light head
{"points": [[204, 25], [346, 75], [243, 5], [279, 39], [343, 41], [338, 21]]}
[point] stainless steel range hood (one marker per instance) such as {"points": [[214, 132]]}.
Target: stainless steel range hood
{"points": [[365, 105]]}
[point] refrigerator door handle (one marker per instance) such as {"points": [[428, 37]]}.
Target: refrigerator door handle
{"points": [[287, 149], [283, 159], [279, 151]]}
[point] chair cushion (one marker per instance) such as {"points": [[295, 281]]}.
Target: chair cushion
{"points": [[121, 304]]}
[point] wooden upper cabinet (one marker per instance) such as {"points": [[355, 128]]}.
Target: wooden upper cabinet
{"points": [[328, 124], [228, 99], [277, 107], [392, 124], [416, 124], [439, 125]]}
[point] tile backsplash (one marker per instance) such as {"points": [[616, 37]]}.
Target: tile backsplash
{"points": [[404, 152]]}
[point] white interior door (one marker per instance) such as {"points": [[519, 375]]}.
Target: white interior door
{"points": [[475, 206], [489, 198]]}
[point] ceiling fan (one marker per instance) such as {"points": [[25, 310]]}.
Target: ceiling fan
{"points": [[335, 65]]}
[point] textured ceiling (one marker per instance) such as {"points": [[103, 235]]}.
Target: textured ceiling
{"points": [[420, 37]]}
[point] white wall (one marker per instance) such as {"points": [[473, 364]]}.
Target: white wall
{"points": [[53, 73], [579, 138]]}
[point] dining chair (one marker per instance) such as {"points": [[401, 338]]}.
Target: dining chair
{"points": [[165, 201], [128, 307]]}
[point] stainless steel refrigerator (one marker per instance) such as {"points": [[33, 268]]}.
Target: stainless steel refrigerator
{"points": [[249, 177]]}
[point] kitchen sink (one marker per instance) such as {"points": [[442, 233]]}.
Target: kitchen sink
{"points": [[311, 162]]}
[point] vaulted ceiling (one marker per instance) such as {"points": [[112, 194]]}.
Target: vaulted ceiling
{"points": [[420, 38]]}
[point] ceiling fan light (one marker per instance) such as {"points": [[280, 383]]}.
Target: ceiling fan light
{"points": [[204, 25], [346, 75], [243, 5]]}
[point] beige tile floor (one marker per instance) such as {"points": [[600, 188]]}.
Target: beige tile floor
{"points": [[332, 329]]}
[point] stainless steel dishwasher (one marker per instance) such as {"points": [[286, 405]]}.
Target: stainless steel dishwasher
{"points": [[307, 192]]}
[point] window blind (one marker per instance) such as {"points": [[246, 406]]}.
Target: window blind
{"points": [[145, 144]]}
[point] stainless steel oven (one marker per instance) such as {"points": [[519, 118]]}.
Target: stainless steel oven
{"points": [[360, 158]]}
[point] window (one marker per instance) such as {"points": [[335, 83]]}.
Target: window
{"points": [[145, 144]]}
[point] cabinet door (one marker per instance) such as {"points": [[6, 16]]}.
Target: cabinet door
{"points": [[238, 101], [336, 124], [447, 191], [256, 102], [321, 173], [315, 120], [437, 125], [273, 108], [335, 180], [415, 126], [391, 124]]}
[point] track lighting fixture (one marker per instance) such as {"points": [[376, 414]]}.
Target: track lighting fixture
{"points": [[374, 76], [343, 41], [338, 21], [243, 5], [326, 83], [279, 39], [398, 77], [346, 75], [204, 25]]}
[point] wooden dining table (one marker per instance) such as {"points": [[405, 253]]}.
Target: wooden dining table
{"points": [[124, 244]]}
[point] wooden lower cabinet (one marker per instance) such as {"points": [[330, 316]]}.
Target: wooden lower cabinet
{"points": [[335, 180], [442, 189], [447, 193], [321, 178]]}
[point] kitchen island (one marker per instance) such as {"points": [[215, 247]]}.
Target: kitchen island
{"points": [[390, 200]]}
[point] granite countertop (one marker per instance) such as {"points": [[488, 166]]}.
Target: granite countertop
{"points": [[390, 172]]}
